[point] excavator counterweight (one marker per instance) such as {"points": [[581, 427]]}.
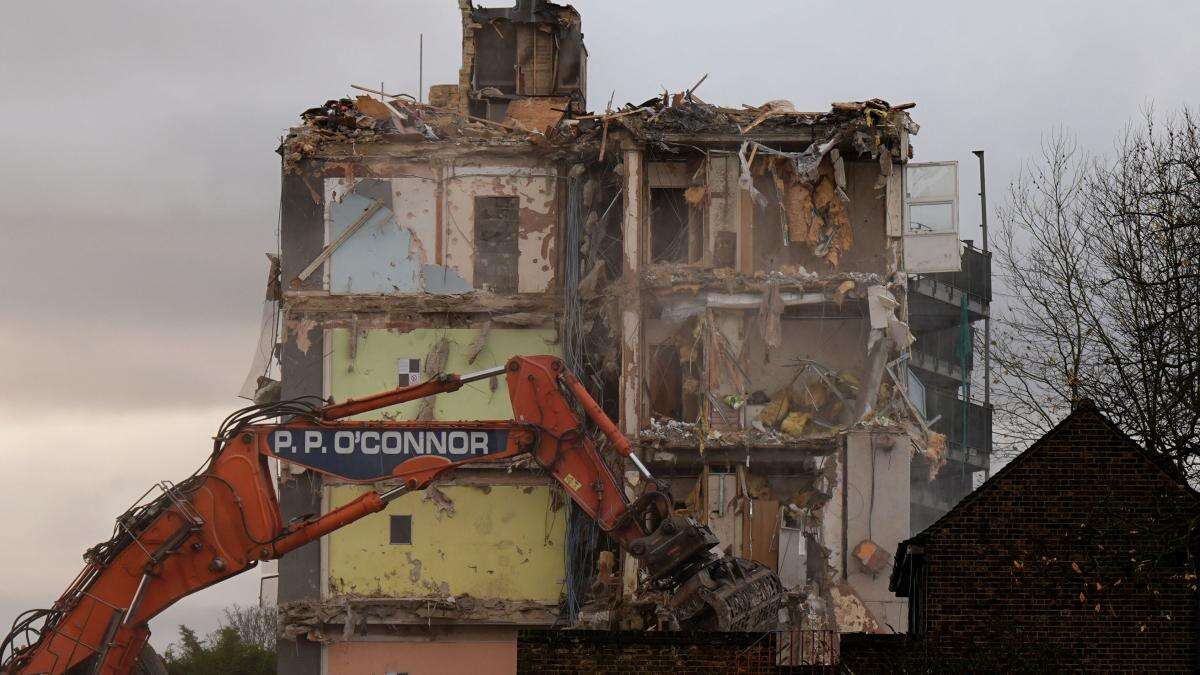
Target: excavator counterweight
{"points": [[224, 519]]}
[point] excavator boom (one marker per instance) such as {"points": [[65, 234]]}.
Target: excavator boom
{"points": [[224, 519]]}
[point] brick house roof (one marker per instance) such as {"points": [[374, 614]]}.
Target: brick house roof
{"points": [[1084, 411]]}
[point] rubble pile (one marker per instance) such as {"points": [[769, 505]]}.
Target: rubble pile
{"points": [[869, 125], [816, 403], [684, 277]]}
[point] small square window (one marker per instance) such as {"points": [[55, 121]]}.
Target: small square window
{"points": [[401, 530]]}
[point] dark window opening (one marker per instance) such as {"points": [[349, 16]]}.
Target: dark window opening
{"points": [[496, 251], [814, 561], [401, 530], [666, 382], [668, 225], [496, 57]]}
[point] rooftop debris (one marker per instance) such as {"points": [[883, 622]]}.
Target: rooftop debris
{"points": [[869, 127], [366, 114]]}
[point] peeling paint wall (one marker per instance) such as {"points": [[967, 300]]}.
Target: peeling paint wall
{"points": [[536, 188], [724, 515], [502, 541], [724, 210], [395, 249], [414, 229], [371, 363], [632, 340]]}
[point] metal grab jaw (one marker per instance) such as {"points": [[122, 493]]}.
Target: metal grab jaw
{"points": [[708, 591]]}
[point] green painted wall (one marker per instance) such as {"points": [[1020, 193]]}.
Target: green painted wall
{"points": [[506, 542], [374, 367]]}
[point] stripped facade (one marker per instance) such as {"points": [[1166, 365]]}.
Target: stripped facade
{"points": [[732, 284]]}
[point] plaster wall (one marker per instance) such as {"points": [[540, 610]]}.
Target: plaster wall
{"points": [[499, 541], [447, 656], [397, 248], [872, 501], [535, 187], [868, 218]]}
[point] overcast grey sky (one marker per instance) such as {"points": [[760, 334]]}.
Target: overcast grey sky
{"points": [[140, 185]]}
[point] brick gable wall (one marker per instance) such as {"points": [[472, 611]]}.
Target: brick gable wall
{"points": [[1073, 555]]}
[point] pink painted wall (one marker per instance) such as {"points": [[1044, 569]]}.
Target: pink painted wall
{"points": [[422, 658]]}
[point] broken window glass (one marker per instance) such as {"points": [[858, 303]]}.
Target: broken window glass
{"points": [[932, 182], [931, 218], [916, 393]]}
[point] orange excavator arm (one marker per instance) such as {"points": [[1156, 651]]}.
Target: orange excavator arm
{"points": [[224, 519]]}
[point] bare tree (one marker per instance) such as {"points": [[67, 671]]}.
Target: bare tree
{"points": [[255, 624], [1101, 260]]}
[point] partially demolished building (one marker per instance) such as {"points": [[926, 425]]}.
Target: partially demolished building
{"points": [[736, 286]]}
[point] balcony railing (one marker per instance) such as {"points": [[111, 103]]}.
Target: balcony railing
{"points": [[943, 345], [975, 276], [950, 408]]}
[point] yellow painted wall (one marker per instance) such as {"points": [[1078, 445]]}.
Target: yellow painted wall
{"points": [[373, 368], [506, 543]]}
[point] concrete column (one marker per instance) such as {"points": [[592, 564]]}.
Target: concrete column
{"points": [[871, 502], [303, 236], [723, 210], [632, 352]]}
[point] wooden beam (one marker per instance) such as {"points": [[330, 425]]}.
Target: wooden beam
{"points": [[333, 246], [798, 136], [746, 233]]}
